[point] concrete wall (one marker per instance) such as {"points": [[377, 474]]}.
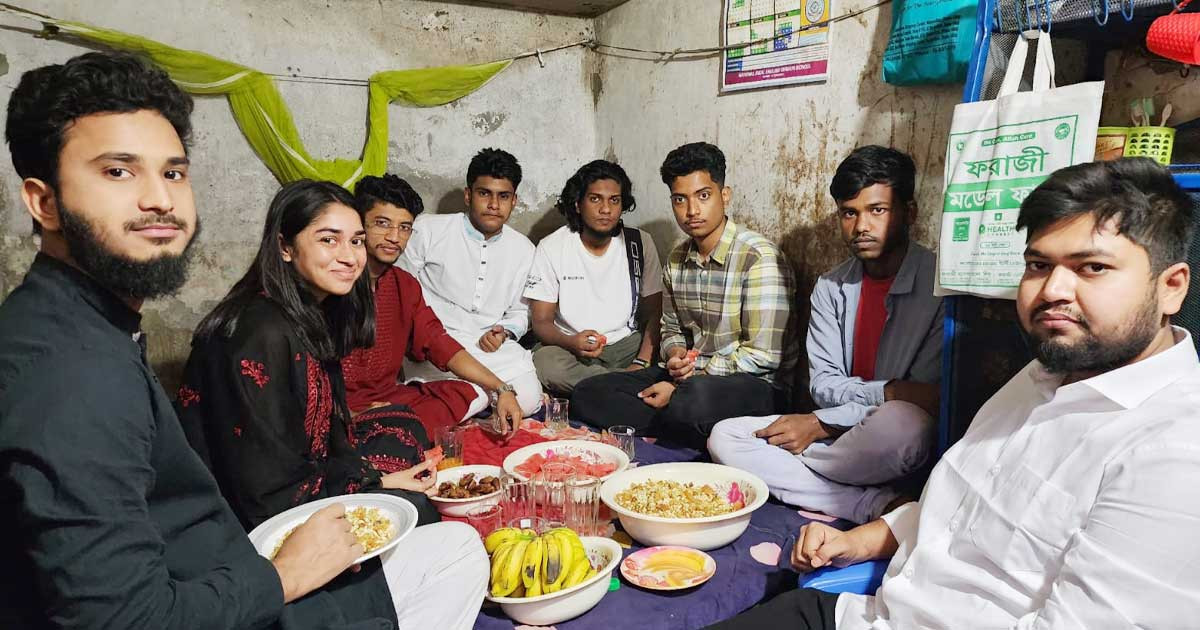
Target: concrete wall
{"points": [[783, 144], [542, 115]]}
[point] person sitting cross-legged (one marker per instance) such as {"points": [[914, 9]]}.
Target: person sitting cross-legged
{"points": [[874, 358], [405, 326], [727, 338], [472, 268], [589, 281]]}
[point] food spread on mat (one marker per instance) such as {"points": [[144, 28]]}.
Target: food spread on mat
{"points": [[672, 499], [468, 487], [583, 464], [527, 565]]}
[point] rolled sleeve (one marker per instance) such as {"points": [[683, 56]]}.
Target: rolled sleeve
{"points": [[430, 341], [846, 415]]}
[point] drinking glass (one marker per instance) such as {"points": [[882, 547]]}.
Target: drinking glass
{"points": [[557, 415], [623, 437], [517, 498], [485, 518], [582, 510], [550, 487], [450, 439]]}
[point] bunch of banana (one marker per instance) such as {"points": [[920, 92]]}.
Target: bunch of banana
{"points": [[527, 565]]}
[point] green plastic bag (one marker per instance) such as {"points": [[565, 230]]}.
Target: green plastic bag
{"points": [[931, 41]]}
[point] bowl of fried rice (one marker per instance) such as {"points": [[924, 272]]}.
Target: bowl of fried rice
{"points": [[693, 504]]}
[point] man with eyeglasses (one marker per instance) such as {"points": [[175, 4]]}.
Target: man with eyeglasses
{"points": [[406, 326]]}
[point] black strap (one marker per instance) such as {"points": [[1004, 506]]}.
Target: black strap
{"points": [[637, 264]]}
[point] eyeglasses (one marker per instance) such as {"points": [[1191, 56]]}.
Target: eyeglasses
{"points": [[383, 226]]}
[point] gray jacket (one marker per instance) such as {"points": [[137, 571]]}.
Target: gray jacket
{"points": [[910, 348]]}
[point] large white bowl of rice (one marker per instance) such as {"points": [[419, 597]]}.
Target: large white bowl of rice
{"points": [[693, 504]]}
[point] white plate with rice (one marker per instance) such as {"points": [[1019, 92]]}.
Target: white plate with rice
{"points": [[380, 522]]}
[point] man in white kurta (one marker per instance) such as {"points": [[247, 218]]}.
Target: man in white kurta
{"points": [[472, 268], [1073, 500]]}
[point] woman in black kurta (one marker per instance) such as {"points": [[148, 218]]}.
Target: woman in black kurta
{"points": [[260, 404]]}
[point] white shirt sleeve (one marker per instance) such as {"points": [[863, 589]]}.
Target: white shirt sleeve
{"points": [[652, 273], [516, 314], [542, 284], [1134, 563], [903, 523]]}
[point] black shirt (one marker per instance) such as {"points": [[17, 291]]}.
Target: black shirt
{"points": [[110, 519]]}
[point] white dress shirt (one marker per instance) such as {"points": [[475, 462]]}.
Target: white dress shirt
{"points": [[1062, 507], [473, 283]]}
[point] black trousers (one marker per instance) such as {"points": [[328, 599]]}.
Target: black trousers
{"points": [[801, 609], [698, 403]]}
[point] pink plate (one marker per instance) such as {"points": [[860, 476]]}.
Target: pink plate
{"points": [[668, 568]]}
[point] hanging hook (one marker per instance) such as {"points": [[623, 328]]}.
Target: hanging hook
{"points": [[1096, 14], [1128, 16], [1049, 18], [541, 62], [997, 18], [1030, 18]]}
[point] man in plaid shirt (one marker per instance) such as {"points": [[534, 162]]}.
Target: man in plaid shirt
{"points": [[728, 338]]}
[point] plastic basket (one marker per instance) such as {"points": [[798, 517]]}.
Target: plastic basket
{"points": [[1151, 142]]}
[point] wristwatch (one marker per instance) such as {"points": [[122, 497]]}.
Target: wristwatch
{"points": [[494, 395]]}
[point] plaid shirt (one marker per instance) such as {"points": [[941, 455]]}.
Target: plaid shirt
{"points": [[735, 308]]}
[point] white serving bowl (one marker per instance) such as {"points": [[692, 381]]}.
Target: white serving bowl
{"points": [[400, 511], [703, 533], [580, 448], [547, 610], [458, 508]]}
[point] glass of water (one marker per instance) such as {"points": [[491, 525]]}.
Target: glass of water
{"points": [[557, 415], [623, 437]]}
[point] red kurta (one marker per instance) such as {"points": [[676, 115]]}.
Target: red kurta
{"points": [[406, 326]]}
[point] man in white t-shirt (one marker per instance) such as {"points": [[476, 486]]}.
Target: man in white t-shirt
{"points": [[592, 282], [1073, 500]]}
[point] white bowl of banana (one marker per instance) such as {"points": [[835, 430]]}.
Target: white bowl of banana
{"points": [[548, 579]]}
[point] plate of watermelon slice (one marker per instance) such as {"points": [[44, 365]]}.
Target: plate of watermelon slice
{"points": [[587, 457]]}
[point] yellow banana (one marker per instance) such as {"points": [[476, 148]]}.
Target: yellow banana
{"points": [[591, 572], [531, 564], [499, 537], [510, 570], [535, 590], [498, 560], [553, 565], [530, 533], [676, 560], [580, 569], [567, 558]]}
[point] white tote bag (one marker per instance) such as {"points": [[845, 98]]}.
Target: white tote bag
{"points": [[998, 152]]}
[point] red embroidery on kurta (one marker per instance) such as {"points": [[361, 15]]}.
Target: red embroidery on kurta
{"points": [[401, 434], [187, 396], [256, 371], [388, 464], [318, 408]]}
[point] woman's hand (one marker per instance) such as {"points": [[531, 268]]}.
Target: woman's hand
{"points": [[407, 479]]}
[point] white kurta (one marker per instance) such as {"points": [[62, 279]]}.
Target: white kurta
{"points": [[1062, 507], [473, 284]]}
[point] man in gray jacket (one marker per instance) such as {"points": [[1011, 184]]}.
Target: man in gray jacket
{"points": [[874, 355]]}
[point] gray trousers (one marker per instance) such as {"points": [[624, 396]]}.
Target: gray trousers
{"points": [[560, 370], [846, 477]]}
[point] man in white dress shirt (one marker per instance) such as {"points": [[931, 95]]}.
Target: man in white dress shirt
{"points": [[472, 268], [1073, 501]]}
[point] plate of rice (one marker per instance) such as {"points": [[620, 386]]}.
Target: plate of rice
{"points": [[380, 521], [690, 504]]}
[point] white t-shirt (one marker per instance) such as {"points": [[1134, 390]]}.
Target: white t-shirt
{"points": [[592, 291]]}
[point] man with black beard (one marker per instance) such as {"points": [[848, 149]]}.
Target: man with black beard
{"points": [[592, 282], [1073, 500], [110, 519]]}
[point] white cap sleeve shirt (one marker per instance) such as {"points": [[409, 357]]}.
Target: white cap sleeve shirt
{"points": [[592, 292]]}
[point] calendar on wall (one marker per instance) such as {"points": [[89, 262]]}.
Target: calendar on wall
{"points": [[796, 51]]}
